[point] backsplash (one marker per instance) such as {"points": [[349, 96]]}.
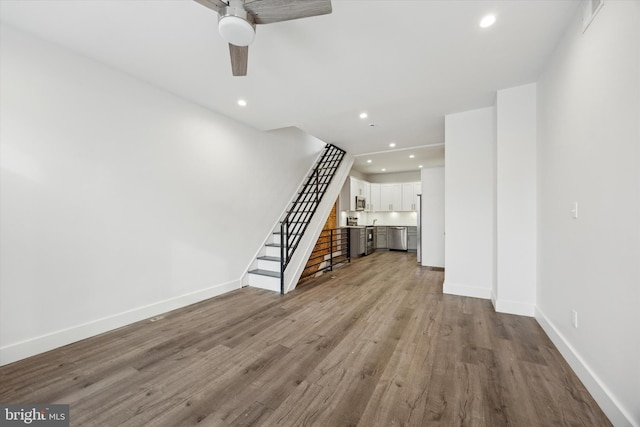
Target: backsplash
{"points": [[383, 218]]}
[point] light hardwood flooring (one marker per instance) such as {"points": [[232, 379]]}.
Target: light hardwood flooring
{"points": [[375, 343]]}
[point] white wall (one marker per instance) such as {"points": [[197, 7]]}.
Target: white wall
{"points": [[357, 174], [515, 290], [432, 232], [393, 178], [120, 201], [589, 152], [469, 202]]}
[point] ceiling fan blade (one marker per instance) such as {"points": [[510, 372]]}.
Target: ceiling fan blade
{"points": [[239, 59], [270, 11], [217, 5]]}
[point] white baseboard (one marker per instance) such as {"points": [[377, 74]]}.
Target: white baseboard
{"points": [[602, 395], [21, 350], [466, 290], [514, 307]]}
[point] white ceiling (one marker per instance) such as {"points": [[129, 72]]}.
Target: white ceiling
{"points": [[406, 63]]}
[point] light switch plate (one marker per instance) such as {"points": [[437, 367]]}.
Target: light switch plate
{"points": [[574, 210]]}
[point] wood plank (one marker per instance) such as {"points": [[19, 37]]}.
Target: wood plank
{"points": [[372, 343]]}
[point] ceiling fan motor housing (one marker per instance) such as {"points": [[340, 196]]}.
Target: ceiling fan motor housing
{"points": [[236, 25]]}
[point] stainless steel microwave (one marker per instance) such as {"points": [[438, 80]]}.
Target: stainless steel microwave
{"points": [[361, 203]]}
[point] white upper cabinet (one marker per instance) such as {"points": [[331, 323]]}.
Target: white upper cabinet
{"points": [[367, 196], [357, 187], [390, 197], [375, 198], [410, 191], [380, 197], [352, 188]]}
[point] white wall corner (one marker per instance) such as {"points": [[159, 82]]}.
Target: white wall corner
{"points": [[602, 395], [494, 297], [516, 200], [21, 350], [466, 290], [469, 201], [514, 307]]}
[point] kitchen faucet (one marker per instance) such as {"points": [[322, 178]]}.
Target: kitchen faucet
{"points": [[374, 221]]}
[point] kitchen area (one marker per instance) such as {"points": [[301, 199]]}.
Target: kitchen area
{"points": [[380, 216]]}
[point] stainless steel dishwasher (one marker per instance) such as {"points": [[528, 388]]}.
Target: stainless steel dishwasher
{"points": [[397, 238]]}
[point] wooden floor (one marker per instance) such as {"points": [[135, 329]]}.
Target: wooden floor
{"points": [[377, 344]]}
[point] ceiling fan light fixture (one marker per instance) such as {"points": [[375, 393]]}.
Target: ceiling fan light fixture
{"points": [[236, 30]]}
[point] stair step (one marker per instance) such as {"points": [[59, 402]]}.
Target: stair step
{"points": [[269, 273], [269, 262], [257, 280], [277, 237], [272, 249]]}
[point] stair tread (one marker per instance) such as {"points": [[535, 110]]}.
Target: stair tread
{"points": [[269, 258], [269, 273], [273, 245]]}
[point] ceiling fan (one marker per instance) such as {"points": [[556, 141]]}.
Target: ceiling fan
{"points": [[237, 20]]}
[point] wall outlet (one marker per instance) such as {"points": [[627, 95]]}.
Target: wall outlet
{"points": [[574, 318]]}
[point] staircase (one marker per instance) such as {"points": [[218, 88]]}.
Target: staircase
{"points": [[269, 270]]}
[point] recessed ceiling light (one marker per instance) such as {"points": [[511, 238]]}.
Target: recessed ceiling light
{"points": [[242, 102], [411, 156], [420, 166], [369, 161], [393, 144], [487, 21], [383, 170], [363, 115]]}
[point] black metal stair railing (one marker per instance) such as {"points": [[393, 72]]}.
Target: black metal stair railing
{"points": [[332, 249], [295, 222]]}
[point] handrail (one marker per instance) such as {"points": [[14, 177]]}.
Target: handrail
{"points": [[295, 222]]}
